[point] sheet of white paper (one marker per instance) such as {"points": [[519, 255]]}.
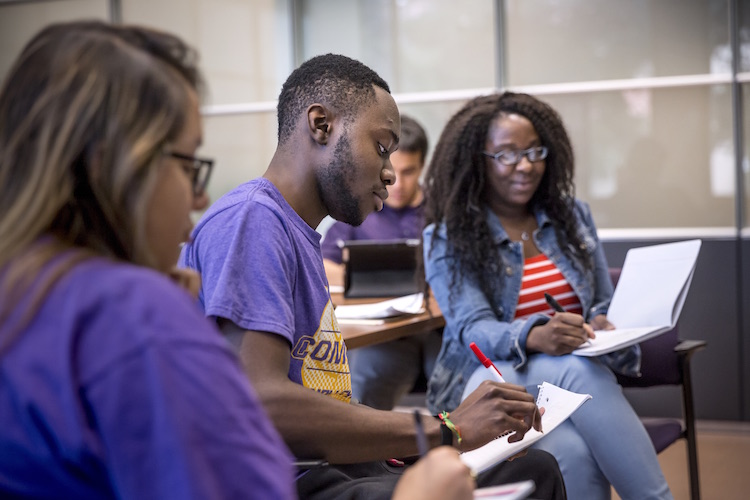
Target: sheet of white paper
{"points": [[558, 405], [607, 341], [653, 285], [649, 296], [408, 304]]}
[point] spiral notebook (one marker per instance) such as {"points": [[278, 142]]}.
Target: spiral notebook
{"points": [[558, 405]]}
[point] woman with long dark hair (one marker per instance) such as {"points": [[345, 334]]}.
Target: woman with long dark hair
{"points": [[503, 227]]}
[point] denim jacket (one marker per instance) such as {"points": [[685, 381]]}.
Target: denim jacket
{"points": [[470, 318]]}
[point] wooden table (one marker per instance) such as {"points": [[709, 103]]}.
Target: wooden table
{"points": [[360, 335]]}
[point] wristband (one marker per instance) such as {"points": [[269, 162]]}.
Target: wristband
{"points": [[448, 429]]}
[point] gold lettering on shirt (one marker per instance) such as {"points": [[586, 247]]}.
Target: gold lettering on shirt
{"points": [[325, 365]]}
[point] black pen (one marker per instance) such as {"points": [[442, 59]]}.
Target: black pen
{"points": [[553, 303], [305, 464], [421, 438]]}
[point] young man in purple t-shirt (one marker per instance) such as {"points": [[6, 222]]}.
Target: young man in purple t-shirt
{"points": [[383, 373], [264, 283]]}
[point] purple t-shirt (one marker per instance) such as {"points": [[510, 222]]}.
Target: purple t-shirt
{"points": [[387, 224], [261, 268], [120, 388]]}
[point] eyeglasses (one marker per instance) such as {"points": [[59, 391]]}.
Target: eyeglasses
{"points": [[201, 170], [512, 157]]}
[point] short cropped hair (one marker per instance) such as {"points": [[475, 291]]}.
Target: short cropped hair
{"points": [[413, 137], [331, 79]]}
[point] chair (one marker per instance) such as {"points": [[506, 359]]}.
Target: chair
{"points": [[666, 361]]}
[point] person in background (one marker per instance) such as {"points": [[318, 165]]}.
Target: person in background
{"points": [[338, 126], [503, 228], [382, 374]]}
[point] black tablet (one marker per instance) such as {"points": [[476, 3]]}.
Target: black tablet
{"points": [[381, 268]]}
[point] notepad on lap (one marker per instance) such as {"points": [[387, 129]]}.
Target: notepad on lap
{"points": [[558, 405], [649, 296]]}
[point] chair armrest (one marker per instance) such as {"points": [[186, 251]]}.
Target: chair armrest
{"points": [[686, 348]]}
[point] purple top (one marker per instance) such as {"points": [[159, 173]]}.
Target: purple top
{"points": [[261, 268], [120, 388], [387, 224]]}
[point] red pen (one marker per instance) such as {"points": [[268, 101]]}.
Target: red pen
{"points": [[487, 363]]}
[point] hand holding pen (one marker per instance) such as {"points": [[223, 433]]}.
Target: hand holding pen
{"points": [[562, 334], [598, 322], [497, 409], [554, 304]]}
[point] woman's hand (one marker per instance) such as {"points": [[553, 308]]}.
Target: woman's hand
{"points": [[600, 322], [562, 334]]}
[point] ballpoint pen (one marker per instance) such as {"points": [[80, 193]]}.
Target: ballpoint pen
{"points": [[553, 303], [487, 363], [421, 438]]}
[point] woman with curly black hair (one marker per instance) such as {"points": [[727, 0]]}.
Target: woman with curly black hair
{"points": [[503, 227]]}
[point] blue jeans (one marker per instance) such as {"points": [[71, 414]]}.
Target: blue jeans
{"points": [[602, 442], [383, 373]]}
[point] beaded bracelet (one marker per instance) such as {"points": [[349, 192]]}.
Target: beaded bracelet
{"points": [[453, 428]]}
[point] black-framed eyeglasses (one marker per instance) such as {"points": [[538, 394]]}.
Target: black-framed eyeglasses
{"points": [[512, 157], [200, 170]]}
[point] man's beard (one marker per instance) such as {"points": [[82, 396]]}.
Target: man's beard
{"points": [[334, 185]]}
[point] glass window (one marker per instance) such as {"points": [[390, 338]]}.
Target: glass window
{"points": [[21, 21], [245, 47], [433, 117], [653, 158], [746, 150], [415, 45], [634, 164], [744, 34], [549, 41], [242, 146]]}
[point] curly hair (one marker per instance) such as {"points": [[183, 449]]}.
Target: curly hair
{"points": [[330, 79], [455, 186]]}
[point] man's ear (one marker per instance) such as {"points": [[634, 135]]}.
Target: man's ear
{"points": [[319, 123]]}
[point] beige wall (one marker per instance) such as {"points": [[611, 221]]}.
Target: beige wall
{"points": [[20, 21]]}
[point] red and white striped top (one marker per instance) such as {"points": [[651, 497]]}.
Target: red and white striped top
{"points": [[541, 275]]}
